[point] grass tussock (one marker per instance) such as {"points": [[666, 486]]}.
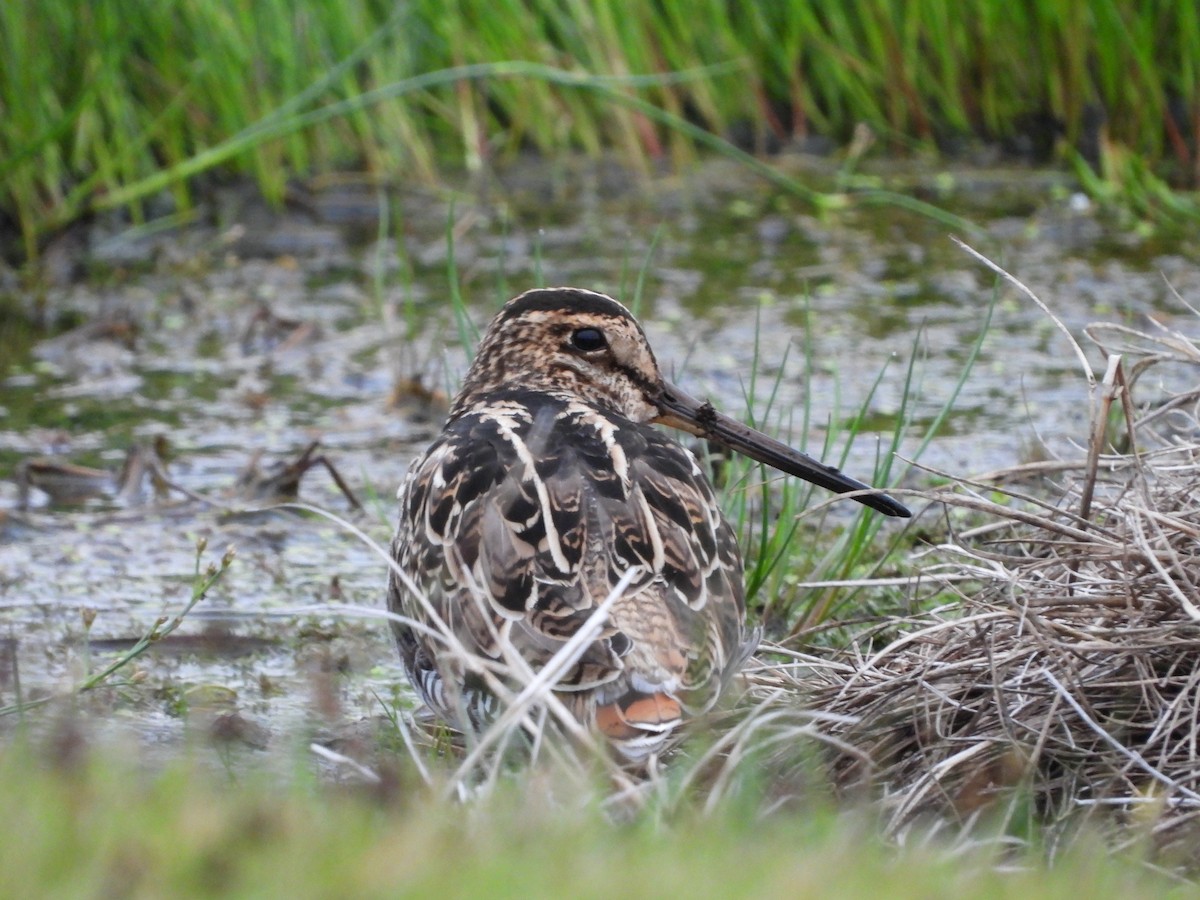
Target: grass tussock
{"points": [[1060, 688], [140, 97]]}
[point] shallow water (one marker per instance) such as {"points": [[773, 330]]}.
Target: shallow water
{"points": [[259, 331]]}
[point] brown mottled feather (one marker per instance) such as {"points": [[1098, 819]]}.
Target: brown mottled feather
{"points": [[545, 486]]}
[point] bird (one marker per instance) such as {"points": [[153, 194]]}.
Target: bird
{"points": [[549, 486]]}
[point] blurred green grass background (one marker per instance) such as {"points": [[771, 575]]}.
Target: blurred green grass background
{"points": [[107, 103]]}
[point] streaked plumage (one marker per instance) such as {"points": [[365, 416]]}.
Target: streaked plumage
{"points": [[546, 485]]}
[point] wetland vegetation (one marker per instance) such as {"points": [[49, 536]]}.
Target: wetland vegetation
{"points": [[230, 234]]}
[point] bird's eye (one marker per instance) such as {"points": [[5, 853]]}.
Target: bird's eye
{"points": [[588, 340]]}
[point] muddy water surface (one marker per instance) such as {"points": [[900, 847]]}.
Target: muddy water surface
{"points": [[234, 342]]}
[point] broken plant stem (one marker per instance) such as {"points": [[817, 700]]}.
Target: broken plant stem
{"points": [[162, 627]]}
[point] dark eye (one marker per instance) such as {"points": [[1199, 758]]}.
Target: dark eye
{"points": [[588, 340]]}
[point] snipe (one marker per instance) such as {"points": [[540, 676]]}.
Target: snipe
{"points": [[547, 485]]}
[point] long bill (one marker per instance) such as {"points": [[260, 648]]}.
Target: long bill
{"points": [[700, 418]]}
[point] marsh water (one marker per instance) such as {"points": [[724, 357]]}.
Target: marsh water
{"points": [[221, 348]]}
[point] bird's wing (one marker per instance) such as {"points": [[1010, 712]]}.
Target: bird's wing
{"points": [[524, 516]]}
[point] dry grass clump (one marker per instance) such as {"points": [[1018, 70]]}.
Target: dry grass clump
{"points": [[1060, 683]]}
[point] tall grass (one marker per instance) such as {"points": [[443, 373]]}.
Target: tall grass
{"points": [[97, 97]]}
